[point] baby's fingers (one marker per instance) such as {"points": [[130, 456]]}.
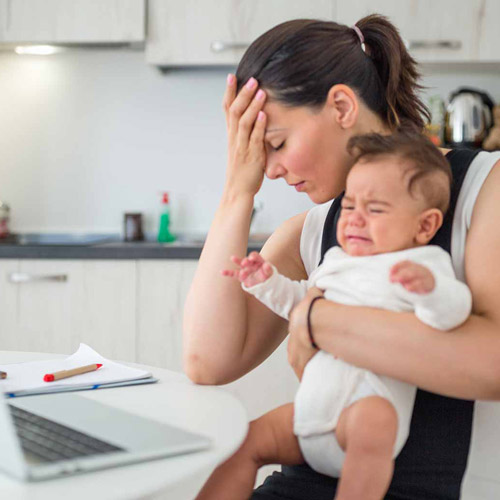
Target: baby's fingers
{"points": [[236, 260], [267, 269], [256, 258], [399, 268]]}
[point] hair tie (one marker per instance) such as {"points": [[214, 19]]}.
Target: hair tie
{"points": [[309, 329], [361, 37]]}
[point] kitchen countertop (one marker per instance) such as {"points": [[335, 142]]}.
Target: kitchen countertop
{"points": [[67, 246]]}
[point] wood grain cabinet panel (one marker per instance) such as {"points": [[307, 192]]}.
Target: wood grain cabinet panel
{"points": [[72, 21], [53, 305], [107, 314], [161, 292], [436, 31], [216, 32]]}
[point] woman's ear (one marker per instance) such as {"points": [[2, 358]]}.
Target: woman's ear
{"points": [[343, 103], [429, 223]]}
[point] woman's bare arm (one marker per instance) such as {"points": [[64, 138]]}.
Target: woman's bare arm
{"points": [[462, 363], [227, 332]]}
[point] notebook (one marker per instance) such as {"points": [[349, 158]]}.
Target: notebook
{"points": [[25, 379]]}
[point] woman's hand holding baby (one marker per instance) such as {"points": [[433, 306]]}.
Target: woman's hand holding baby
{"points": [[413, 277], [253, 269], [246, 125]]}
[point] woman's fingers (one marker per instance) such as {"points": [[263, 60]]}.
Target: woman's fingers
{"points": [[229, 95], [239, 105], [258, 132], [249, 119]]}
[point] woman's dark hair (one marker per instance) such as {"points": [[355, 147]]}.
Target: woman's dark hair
{"points": [[429, 172], [299, 61]]}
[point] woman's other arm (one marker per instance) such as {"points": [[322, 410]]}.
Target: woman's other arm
{"points": [[462, 363]]}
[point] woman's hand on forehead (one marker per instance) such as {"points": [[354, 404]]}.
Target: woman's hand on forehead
{"points": [[246, 125]]}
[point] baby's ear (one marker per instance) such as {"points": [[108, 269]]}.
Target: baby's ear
{"points": [[429, 223]]}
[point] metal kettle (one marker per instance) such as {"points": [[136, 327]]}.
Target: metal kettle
{"points": [[468, 117]]}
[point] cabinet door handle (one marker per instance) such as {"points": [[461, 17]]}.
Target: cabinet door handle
{"points": [[29, 278], [433, 44], [221, 46]]}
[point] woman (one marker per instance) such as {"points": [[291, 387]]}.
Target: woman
{"points": [[301, 91]]}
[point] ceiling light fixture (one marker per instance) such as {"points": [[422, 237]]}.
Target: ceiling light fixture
{"points": [[37, 50]]}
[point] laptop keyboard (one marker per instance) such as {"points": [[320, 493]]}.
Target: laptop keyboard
{"points": [[52, 442]]}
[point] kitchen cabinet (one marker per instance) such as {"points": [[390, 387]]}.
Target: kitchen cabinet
{"points": [[53, 305], [443, 31], [162, 287], [72, 21], [489, 33], [216, 32]]}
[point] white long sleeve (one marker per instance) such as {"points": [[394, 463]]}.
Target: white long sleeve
{"points": [[447, 306], [279, 293], [364, 281]]}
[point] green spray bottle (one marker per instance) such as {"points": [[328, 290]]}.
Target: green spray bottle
{"points": [[164, 234]]}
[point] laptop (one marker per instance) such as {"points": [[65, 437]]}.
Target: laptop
{"points": [[55, 435]]}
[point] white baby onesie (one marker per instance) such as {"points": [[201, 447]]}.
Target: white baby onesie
{"points": [[329, 384]]}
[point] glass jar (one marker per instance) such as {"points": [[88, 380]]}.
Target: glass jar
{"points": [[132, 230]]}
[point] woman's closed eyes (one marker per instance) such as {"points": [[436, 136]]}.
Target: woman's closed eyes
{"points": [[278, 147]]}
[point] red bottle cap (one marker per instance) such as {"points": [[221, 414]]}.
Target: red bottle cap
{"points": [[164, 198]]}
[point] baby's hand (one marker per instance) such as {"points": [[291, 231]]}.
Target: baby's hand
{"points": [[252, 269], [414, 277]]}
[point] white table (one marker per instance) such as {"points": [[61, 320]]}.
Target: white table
{"points": [[174, 400]]}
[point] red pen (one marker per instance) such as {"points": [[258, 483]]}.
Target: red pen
{"points": [[50, 377]]}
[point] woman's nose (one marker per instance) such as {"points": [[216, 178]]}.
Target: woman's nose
{"points": [[275, 170]]}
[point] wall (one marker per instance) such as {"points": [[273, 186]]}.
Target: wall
{"points": [[88, 135]]}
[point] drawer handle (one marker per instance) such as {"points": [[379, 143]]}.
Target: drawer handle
{"points": [[29, 278], [221, 46], [433, 44]]}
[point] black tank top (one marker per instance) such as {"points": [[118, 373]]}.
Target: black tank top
{"points": [[432, 463]]}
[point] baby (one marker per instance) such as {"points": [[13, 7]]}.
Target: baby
{"points": [[346, 421]]}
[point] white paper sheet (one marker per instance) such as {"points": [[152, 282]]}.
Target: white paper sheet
{"points": [[27, 378]]}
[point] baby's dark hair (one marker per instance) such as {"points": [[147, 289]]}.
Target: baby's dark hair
{"points": [[429, 171]]}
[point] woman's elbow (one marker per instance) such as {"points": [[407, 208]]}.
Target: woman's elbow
{"points": [[201, 372]]}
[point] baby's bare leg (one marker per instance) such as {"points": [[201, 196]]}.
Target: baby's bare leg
{"points": [[367, 432], [270, 440]]}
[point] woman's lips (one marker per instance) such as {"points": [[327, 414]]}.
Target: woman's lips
{"points": [[299, 186]]}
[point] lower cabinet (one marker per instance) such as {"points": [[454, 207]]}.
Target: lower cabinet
{"points": [[53, 305], [162, 287]]}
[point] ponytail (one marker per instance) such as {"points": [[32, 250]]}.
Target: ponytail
{"points": [[397, 71]]}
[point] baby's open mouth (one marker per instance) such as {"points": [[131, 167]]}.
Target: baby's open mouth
{"points": [[355, 238]]}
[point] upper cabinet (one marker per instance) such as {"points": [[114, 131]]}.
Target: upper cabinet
{"points": [[217, 32], [72, 21], [436, 31]]}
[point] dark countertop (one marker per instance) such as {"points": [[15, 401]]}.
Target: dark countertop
{"points": [[112, 248]]}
